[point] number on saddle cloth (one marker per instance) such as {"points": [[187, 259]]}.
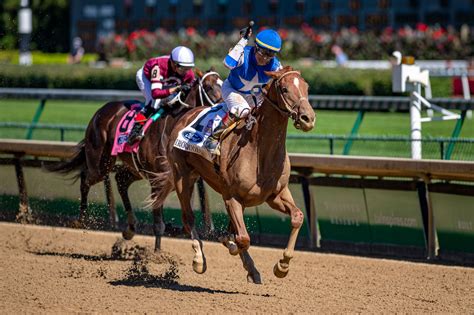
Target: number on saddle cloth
{"points": [[199, 126], [129, 118], [124, 127]]}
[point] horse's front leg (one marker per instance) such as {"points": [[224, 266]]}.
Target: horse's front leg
{"points": [[284, 202], [242, 238]]}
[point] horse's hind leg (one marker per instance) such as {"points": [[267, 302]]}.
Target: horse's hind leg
{"points": [[124, 179], [228, 240], [158, 221], [98, 165], [84, 187], [184, 183], [109, 195], [284, 202]]}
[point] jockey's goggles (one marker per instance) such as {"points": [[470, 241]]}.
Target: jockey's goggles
{"points": [[265, 53], [178, 66]]}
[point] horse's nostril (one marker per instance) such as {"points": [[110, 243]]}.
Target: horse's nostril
{"points": [[304, 118]]}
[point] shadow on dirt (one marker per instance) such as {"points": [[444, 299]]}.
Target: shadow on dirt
{"points": [[122, 251], [76, 256], [162, 282]]}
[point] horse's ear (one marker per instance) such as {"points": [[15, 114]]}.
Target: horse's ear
{"points": [[286, 69], [273, 74], [212, 69], [278, 73], [198, 72]]}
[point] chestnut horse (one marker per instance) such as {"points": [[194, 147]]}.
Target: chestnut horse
{"points": [[94, 161], [253, 168]]}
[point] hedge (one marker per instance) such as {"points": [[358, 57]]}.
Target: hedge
{"points": [[327, 81]]}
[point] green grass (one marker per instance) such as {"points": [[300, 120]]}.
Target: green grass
{"points": [[328, 123]]}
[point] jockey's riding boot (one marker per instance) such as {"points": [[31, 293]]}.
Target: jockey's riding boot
{"points": [[135, 133], [212, 142], [140, 120]]}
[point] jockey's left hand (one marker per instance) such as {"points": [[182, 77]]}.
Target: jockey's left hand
{"points": [[185, 88], [243, 31]]}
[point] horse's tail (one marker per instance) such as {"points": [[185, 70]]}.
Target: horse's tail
{"points": [[76, 163], [162, 184]]}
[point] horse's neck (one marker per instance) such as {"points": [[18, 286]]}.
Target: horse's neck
{"points": [[193, 96], [272, 128]]}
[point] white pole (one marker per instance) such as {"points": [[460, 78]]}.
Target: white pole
{"points": [[415, 122], [465, 87], [24, 30]]}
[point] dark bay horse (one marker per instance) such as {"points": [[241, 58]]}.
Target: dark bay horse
{"points": [[93, 159], [253, 168]]}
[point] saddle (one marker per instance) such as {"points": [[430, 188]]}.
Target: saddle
{"points": [[123, 129], [194, 136]]}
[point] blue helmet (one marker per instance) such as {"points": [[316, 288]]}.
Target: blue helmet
{"points": [[269, 39]]}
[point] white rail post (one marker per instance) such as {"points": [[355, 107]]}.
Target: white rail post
{"points": [[415, 122], [24, 31]]}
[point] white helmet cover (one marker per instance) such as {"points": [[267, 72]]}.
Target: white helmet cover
{"points": [[183, 56]]}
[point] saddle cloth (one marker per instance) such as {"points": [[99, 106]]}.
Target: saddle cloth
{"points": [[123, 131], [193, 137]]}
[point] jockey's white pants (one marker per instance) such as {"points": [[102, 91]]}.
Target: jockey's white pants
{"points": [[239, 104], [145, 87]]}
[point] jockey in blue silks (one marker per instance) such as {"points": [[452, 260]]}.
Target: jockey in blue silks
{"points": [[247, 65]]}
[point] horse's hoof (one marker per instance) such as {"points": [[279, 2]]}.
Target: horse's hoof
{"points": [[128, 234], [199, 267], [76, 224], [233, 248], [280, 271], [256, 279], [25, 217]]}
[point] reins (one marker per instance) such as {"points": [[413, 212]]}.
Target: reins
{"points": [[202, 91], [289, 108]]}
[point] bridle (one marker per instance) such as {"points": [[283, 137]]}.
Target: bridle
{"points": [[202, 92], [289, 108]]}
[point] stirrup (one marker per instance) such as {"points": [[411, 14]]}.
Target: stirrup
{"points": [[135, 135], [212, 145]]}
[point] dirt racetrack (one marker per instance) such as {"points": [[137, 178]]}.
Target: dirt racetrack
{"points": [[57, 270]]}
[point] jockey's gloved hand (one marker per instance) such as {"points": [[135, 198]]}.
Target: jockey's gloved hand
{"points": [[185, 88], [243, 31]]}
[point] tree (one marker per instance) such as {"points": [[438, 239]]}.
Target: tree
{"points": [[51, 27]]}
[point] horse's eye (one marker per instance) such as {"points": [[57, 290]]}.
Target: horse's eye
{"points": [[284, 90]]}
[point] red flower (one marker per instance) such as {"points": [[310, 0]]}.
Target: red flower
{"points": [[353, 30], [438, 34], [316, 38], [190, 31], [283, 33], [422, 27], [211, 33]]}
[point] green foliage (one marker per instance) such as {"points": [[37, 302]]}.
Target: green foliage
{"points": [[327, 81], [8, 24], [50, 22], [66, 76], [41, 58]]}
